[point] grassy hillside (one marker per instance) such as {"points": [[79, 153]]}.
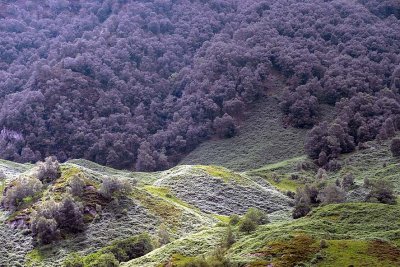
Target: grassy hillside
{"points": [[262, 139], [192, 203], [353, 235]]}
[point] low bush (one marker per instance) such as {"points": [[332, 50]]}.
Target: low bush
{"points": [[93, 260], [48, 170], [69, 215], [348, 182], [229, 238], [110, 256], [234, 219], [44, 226], [77, 186], [22, 188], [331, 194], [252, 219], [246, 225], [114, 187], [163, 235], [131, 248], [382, 191], [257, 216], [301, 210], [395, 147], [50, 218]]}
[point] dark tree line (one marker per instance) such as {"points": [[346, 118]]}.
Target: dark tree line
{"points": [[138, 84]]}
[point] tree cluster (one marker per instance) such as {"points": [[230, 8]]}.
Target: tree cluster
{"points": [[114, 187], [138, 84], [51, 218], [321, 193]]}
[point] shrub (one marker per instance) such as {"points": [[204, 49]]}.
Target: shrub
{"points": [[69, 215], [225, 126], [348, 182], [74, 260], [110, 256], [93, 260], [395, 147], [43, 223], [103, 260], [51, 217], [49, 170], [305, 197], [20, 189], [114, 187], [131, 248], [77, 186], [163, 235], [332, 194], [382, 191], [321, 174], [301, 210], [247, 225], [367, 183], [323, 244], [234, 219], [45, 230], [257, 216], [229, 238]]}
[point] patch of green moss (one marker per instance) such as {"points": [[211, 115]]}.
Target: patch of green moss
{"points": [[35, 257], [221, 172], [285, 184], [223, 218], [360, 253], [157, 206], [165, 193]]}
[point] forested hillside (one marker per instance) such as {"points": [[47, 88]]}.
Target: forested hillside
{"points": [[139, 84]]}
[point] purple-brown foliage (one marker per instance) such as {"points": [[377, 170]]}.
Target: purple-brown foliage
{"points": [[141, 83]]}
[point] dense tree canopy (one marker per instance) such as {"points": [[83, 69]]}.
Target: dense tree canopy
{"points": [[137, 84]]}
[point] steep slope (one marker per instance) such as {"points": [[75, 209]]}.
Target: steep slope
{"points": [[262, 139]]}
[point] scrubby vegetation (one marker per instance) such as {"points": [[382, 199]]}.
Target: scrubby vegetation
{"points": [[112, 255], [251, 220], [113, 187], [23, 189], [50, 218]]}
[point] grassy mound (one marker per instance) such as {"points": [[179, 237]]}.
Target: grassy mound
{"points": [[363, 228], [218, 190]]}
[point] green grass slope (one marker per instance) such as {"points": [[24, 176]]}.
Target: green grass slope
{"points": [[262, 139], [357, 234], [351, 234]]}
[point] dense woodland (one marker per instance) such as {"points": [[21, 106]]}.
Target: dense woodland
{"points": [[138, 84]]}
